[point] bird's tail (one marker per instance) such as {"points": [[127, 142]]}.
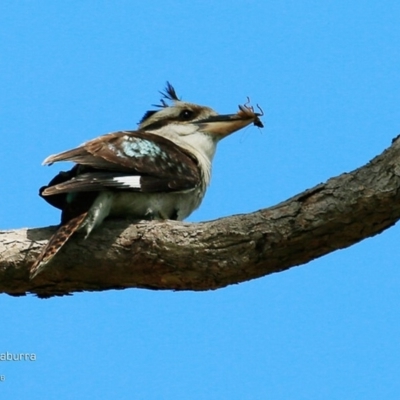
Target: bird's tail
{"points": [[55, 243]]}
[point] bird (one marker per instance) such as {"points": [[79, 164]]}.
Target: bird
{"points": [[159, 171]]}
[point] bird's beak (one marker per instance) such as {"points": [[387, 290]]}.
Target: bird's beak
{"points": [[224, 125]]}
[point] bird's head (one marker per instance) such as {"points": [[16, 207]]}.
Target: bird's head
{"points": [[194, 126]]}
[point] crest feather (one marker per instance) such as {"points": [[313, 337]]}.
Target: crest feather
{"points": [[169, 93]]}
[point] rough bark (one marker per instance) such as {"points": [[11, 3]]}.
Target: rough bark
{"points": [[210, 255]]}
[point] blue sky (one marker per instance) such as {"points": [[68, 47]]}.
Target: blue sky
{"points": [[327, 77]]}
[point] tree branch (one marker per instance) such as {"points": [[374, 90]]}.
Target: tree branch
{"points": [[211, 255]]}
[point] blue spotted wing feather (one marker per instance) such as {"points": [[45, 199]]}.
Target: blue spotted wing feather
{"points": [[131, 160]]}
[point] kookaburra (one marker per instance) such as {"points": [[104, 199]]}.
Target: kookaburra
{"points": [[160, 171]]}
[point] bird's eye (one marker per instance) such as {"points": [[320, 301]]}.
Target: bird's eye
{"points": [[186, 115]]}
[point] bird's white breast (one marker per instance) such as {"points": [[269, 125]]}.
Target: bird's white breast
{"points": [[156, 205]]}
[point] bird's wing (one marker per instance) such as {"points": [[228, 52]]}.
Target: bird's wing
{"points": [[134, 160]]}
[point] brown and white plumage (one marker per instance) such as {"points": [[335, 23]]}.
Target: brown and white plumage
{"points": [[160, 171]]}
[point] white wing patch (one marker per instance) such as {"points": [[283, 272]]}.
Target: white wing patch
{"points": [[130, 181]]}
